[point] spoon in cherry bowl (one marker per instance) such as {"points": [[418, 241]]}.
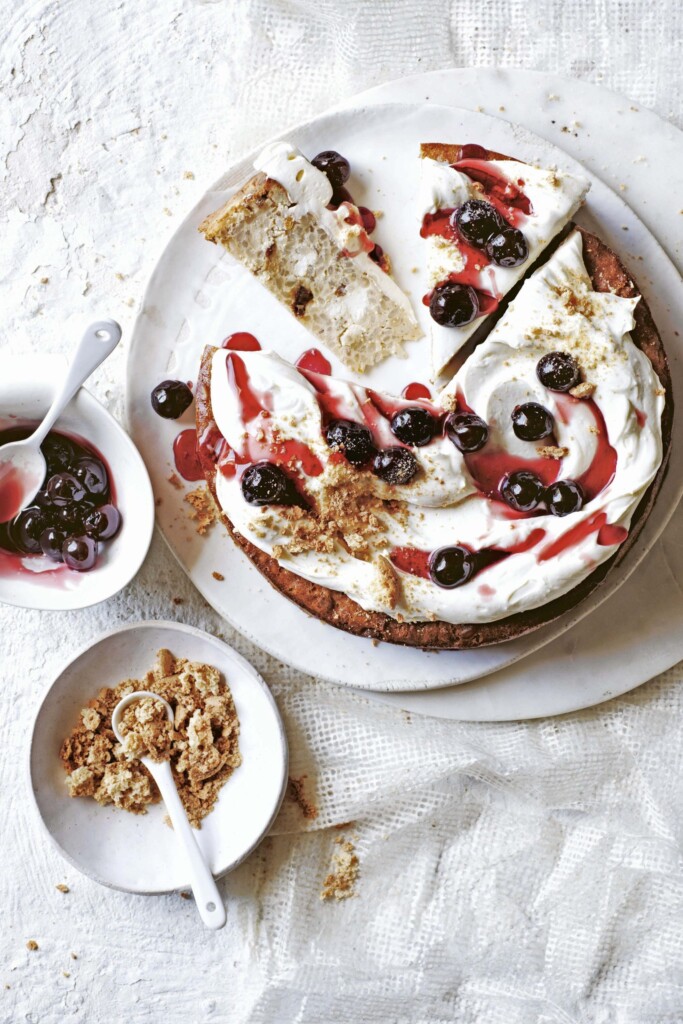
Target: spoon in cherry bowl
{"points": [[22, 464]]}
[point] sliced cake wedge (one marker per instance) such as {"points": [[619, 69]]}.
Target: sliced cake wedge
{"points": [[486, 218], [315, 254]]}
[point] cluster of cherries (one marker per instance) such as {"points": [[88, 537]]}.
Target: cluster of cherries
{"points": [[71, 513], [267, 484], [522, 490], [337, 170], [480, 225]]}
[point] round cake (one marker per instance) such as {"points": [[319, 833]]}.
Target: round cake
{"points": [[531, 474]]}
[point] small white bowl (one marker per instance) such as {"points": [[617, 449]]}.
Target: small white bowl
{"points": [[26, 390], [138, 853]]}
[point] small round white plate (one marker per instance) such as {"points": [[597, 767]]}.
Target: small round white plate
{"points": [[26, 390], [138, 853], [197, 295]]}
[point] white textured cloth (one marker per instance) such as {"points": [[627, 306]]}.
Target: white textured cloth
{"points": [[508, 873]]}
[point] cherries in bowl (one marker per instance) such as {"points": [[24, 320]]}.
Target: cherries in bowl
{"points": [[68, 519], [103, 468]]}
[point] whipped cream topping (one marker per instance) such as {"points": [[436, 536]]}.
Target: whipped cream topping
{"points": [[554, 197], [310, 192], [613, 445]]}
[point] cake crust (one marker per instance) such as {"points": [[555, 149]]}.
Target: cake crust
{"points": [[607, 273]]}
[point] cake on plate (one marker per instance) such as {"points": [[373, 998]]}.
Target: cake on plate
{"points": [[466, 519]]}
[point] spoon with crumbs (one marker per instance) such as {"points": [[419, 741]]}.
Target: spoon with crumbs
{"points": [[206, 894]]}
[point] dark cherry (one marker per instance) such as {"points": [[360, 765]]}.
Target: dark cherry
{"points": [[69, 518], [171, 398], [351, 438], [522, 490], [476, 221], [467, 431], [339, 196], [64, 489], [26, 529], [508, 248], [414, 426], [264, 483], [395, 465], [453, 305], [558, 371], [79, 553], [334, 165], [59, 453], [368, 218], [51, 543], [451, 567], [564, 497], [377, 253], [102, 523], [531, 421], [42, 500], [93, 475]]}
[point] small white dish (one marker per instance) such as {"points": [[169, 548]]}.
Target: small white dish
{"points": [[135, 852], [26, 391]]}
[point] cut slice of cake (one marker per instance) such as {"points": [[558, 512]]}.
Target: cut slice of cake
{"points": [[288, 226], [486, 219]]}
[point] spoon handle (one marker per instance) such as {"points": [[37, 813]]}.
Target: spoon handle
{"points": [[99, 341], [207, 897]]}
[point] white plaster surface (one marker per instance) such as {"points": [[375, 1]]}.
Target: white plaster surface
{"points": [[509, 872]]}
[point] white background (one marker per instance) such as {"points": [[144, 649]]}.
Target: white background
{"points": [[508, 872]]}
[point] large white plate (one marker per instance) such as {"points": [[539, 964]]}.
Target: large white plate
{"points": [[197, 295], [637, 633]]}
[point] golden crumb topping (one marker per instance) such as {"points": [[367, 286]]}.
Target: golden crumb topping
{"points": [[201, 743]]}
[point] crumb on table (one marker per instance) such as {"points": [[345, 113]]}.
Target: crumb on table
{"points": [[340, 883], [296, 792]]}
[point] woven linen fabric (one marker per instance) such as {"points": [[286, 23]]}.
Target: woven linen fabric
{"points": [[509, 874]]}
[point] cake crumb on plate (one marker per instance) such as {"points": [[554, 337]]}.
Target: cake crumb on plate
{"points": [[203, 510]]}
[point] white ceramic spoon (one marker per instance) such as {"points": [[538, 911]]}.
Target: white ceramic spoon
{"points": [[22, 464], [206, 894]]}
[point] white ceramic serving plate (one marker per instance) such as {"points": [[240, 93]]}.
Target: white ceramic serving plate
{"points": [[198, 295], [138, 853], [26, 390], [637, 632]]}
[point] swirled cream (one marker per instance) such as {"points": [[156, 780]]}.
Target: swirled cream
{"points": [[536, 200], [373, 541]]}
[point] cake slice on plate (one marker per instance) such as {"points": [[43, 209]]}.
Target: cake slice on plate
{"points": [[486, 219], [307, 242]]}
